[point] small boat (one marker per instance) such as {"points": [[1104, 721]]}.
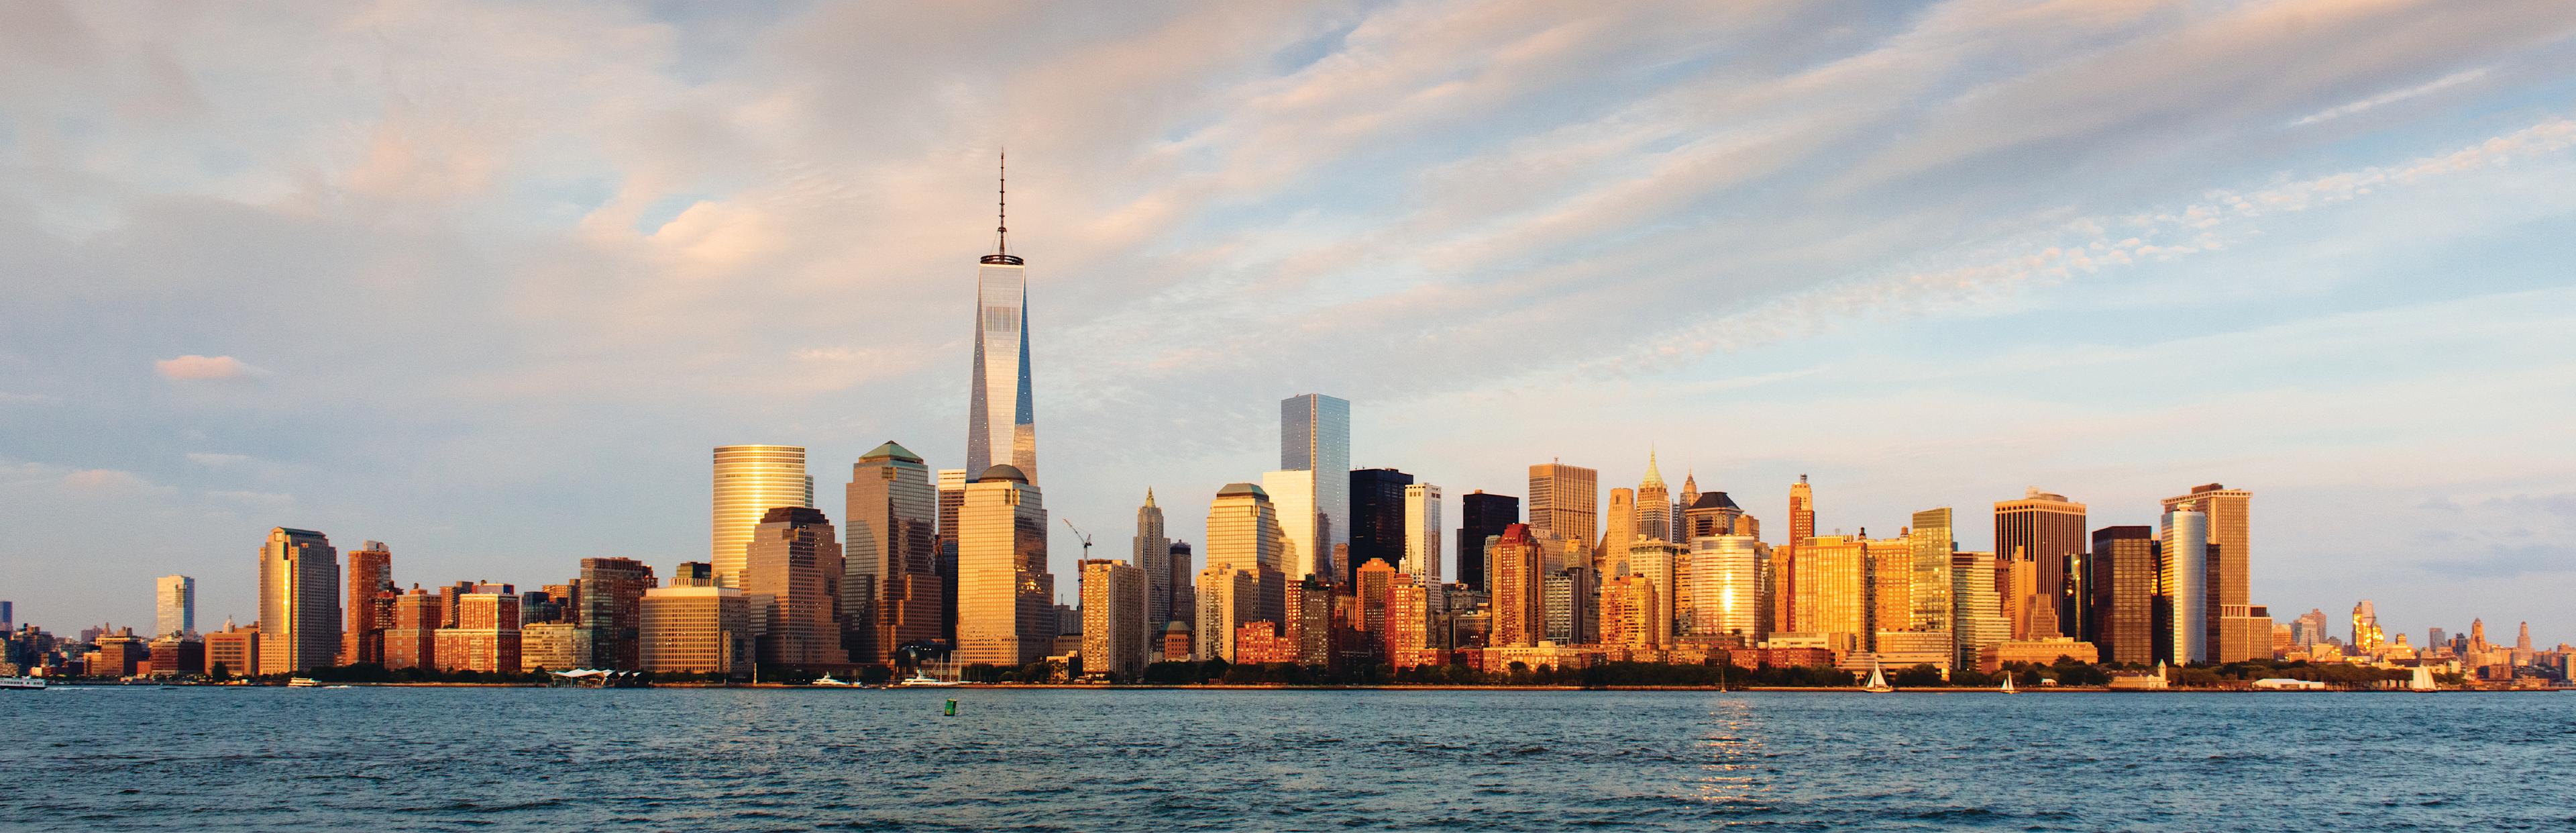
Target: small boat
{"points": [[1877, 681], [2008, 687], [828, 681], [22, 683], [922, 678], [303, 682]]}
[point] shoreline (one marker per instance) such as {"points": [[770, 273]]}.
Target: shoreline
{"points": [[1283, 687]]}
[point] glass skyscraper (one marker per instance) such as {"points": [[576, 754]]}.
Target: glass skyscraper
{"points": [[750, 480], [1315, 435], [1001, 416]]}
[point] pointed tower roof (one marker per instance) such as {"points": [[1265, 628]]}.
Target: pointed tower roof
{"points": [[1149, 497], [1690, 483], [1002, 224], [891, 449], [1653, 477]]}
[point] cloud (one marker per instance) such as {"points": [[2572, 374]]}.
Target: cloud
{"points": [[194, 367], [214, 460], [2342, 110], [105, 480]]}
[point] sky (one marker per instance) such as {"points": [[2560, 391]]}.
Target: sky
{"points": [[486, 281]]}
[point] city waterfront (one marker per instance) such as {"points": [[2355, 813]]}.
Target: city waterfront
{"points": [[142, 758]]}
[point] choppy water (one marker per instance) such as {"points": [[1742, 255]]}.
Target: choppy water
{"points": [[450, 759]]}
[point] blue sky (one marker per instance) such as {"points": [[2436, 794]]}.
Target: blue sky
{"points": [[486, 282]]}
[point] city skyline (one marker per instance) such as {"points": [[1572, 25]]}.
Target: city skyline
{"points": [[166, 444]]}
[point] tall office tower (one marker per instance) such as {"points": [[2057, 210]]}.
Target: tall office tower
{"points": [[697, 628], [1005, 596], [1722, 587], [1976, 618], [2309, 629], [371, 571], [1653, 515], [750, 481], [2228, 610], [1185, 576], [2046, 528], [1660, 563], [1564, 502], [890, 586], [485, 637], [952, 496], [1628, 612], [299, 601], [174, 599], [2434, 637], [1833, 587], [2185, 583], [1784, 575], [1512, 574], [1891, 584], [792, 572], [1301, 529], [1243, 529], [2477, 627], [1229, 597], [1689, 495], [2123, 589], [611, 620], [1422, 535], [1315, 436], [1932, 542], [2367, 638], [1113, 618], [1569, 596], [2017, 577], [1619, 524], [1152, 551], [8, 618], [2522, 646], [1481, 516], [1374, 577], [1377, 519], [1310, 620], [1001, 415]]}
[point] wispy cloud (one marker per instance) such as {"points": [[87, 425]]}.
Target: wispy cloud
{"points": [[198, 368], [2392, 97]]}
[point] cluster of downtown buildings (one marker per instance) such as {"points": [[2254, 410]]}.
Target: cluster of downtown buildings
{"points": [[1317, 564]]}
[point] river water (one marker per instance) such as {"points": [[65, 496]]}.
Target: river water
{"points": [[142, 758]]}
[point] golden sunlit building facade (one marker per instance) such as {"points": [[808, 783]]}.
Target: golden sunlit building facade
{"points": [[750, 480]]}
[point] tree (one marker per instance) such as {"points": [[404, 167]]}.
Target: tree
{"points": [[220, 671]]}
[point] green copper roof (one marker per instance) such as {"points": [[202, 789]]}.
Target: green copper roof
{"points": [[890, 449]]}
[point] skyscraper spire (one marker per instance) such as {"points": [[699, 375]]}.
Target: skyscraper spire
{"points": [[1652, 475]]}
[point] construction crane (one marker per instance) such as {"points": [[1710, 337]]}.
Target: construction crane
{"points": [[1079, 535]]}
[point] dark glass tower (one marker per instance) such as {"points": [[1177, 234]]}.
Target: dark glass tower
{"points": [[1481, 516], [1377, 519]]}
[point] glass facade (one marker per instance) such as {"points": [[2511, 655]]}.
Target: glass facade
{"points": [[1378, 520], [1001, 413], [1315, 435], [1481, 516], [750, 480]]}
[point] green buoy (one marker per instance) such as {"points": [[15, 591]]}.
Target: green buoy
{"points": [[952, 708]]}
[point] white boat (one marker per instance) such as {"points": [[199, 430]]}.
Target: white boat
{"points": [[829, 681], [923, 678], [303, 682], [22, 683], [1877, 681], [2008, 688]]}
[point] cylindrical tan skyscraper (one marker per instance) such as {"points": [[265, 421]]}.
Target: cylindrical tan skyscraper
{"points": [[750, 481]]}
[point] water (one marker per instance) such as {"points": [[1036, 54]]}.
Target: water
{"points": [[454, 759]]}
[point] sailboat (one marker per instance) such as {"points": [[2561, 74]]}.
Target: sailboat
{"points": [[1877, 681], [2008, 687]]}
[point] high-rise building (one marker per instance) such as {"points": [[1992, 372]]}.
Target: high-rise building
{"points": [[890, 584], [233, 651], [1627, 612], [1832, 588], [1185, 578], [1933, 542], [1001, 411], [1303, 544], [1406, 638], [1619, 526], [371, 572], [952, 497], [175, 606], [2121, 614], [1422, 535], [1229, 597], [1481, 516], [1661, 564], [1315, 436], [611, 624], [698, 629], [792, 573], [1784, 574], [1114, 634], [1688, 496], [548, 646], [1652, 515], [1310, 620], [1243, 530], [2367, 637], [1005, 595], [2227, 610], [1714, 514], [1513, 559], [2309, 628], [1976, 619], [411, 640], [2184, 583], [299, 601], [1374, 578], [1152, 552], [2046, 529], [1377, 519], [1564, 502], [1721, 589], [485, 636], [1570, 596], [750, 480]]}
